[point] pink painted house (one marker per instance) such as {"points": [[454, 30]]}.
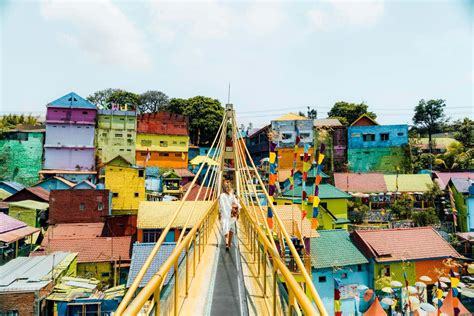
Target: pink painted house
{"points": [[70, 129]]}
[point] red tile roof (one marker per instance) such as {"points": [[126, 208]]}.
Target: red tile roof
{"points": [[73, 231], [184, 173], [162, 123], [360, 182], [418, 243], [444, 177], [99, 249], [194, 192]]}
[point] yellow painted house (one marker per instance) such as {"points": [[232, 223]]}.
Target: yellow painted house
{"points": [[126, 182], [167, 151]]}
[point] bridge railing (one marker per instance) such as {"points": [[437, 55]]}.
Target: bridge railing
{"points": [[188, 252]]}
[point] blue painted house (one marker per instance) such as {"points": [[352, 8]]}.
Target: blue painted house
{"points": [[334, 256], [374, 147], [54, 183], [258, 144], [195, 151], [11, 186], [463, 194], [84, 185]]}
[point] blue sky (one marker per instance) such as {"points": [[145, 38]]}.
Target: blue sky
{"points": [[278, 56]]}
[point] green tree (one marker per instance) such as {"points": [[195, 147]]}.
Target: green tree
{"points": [[456, 157], [11, 121], [429, 117], [347, 112], [100, 98], [204, 114], [402, 207], [312, 113], [122, 98], [153, 101], [425, 217], [464, 132]]}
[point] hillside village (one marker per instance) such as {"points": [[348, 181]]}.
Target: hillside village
{"points": [[79, 193]]}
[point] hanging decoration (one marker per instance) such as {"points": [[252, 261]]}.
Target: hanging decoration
{"points": [[337, 297], [317, 181], [453, 206], [272, 179], [408, 292], [295, 158]]}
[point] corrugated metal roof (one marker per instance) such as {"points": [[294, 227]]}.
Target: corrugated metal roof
{"points": [[444, 177], [14, 185], [4, 194], [141, 251], [17, 234], [330, 122], [72, 100], [152, 215], [25, 274], [202, 159], [360, 182], [291, 117], [326, 191], [84, 184], [8, 223], [184, 173], [73, 231], [408, 182], [37, 191], [461, 184], [65, 181], [333, 248], [31, 204]]}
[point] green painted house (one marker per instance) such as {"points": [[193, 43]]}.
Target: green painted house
{"points": [[33, 213], [21, 153]]}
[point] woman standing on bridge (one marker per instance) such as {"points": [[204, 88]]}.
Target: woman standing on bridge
{"points": [[229, 208]]}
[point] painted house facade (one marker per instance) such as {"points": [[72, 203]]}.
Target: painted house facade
{"points": [[54, 183], [162, 140], [334, 135], [70, 130], [374, 147], [126, 182], [463, 194], [33, 213], [78, 206], [258, 144], [416, 251], [21, 153], [115, 135], [334, 256]]}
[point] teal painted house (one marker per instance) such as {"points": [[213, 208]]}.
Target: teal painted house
{"points": [[374, 147], [334, 256], [54, 183], [21, 154]]}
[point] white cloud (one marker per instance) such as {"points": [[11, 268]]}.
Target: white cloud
{"points": [[100, 30], [264, 18], [339, 13]]}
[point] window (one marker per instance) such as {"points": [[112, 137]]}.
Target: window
{"points": [[304, 137], [359, 267], [322, 279], [141, 173], [105, 274], [85, 112], [129, 150], [182, 143], [118, 135], [115, 194], [368, 137], [286, 136], [136, 194], [354, 135], [146, 142], [129, 135], [143, 154], [400, 134], [82, 207], [163, 143], [151, 235], [386, 271], [384, 136], [164, 154], [344, 276], [174, 142], [104, 134], [121, 149], [177, 155], [122, 119], [100, 206]]}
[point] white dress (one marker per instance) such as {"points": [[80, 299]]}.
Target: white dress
{"points": [[225, 209]]}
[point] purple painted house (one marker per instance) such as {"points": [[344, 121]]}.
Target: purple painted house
{"points": [[70, 129]]}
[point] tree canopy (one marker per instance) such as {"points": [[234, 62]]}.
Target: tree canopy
{"points": [[347, 112], [153, 101], [429, 116], [10, 121]]}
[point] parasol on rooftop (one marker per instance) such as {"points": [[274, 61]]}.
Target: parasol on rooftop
{"points": [[396, 284], [425, 278]]}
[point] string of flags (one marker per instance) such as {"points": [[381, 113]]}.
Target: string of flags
{"points": [[316, 199], [272, 179]]}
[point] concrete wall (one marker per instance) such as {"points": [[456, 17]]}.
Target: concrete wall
{"points": [[385, 159], [22, 159], [69, 158], [65, 206], [153, 142], [26, 215], [84, 116], [125, 183], [286, 131], [58, 135], [162, 159], [398, 135], [326, 289]]}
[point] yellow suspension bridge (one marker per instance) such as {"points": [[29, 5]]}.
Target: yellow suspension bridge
{"points": [[263, 274]]}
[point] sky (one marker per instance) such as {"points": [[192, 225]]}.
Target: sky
{"points": [[278, 56]]}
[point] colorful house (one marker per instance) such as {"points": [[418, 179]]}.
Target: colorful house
{"points": [[104, 258], [162, 140], [442, 178], [34, 193], [70, 129], [25, 282], [11, 186], [258, 144], [286, 129], [33, 213], [79, 206], [153, 217], [463, 193], [84, 185], [54, 183], [172, 183], [392, 252], [21, 153], [15, 238], [115, 135], [70, 175], [414, 185], [335, 258], [194, 151], [331, 132], [127, 184], [374, 147]]}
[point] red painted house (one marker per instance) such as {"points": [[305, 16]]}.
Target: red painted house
{"points": [[78, 206]]}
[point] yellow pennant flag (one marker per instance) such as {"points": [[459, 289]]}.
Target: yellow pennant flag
{"points": [[316, 201], [292, 181], [320, 159], [306, 166], [272, 157]]}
